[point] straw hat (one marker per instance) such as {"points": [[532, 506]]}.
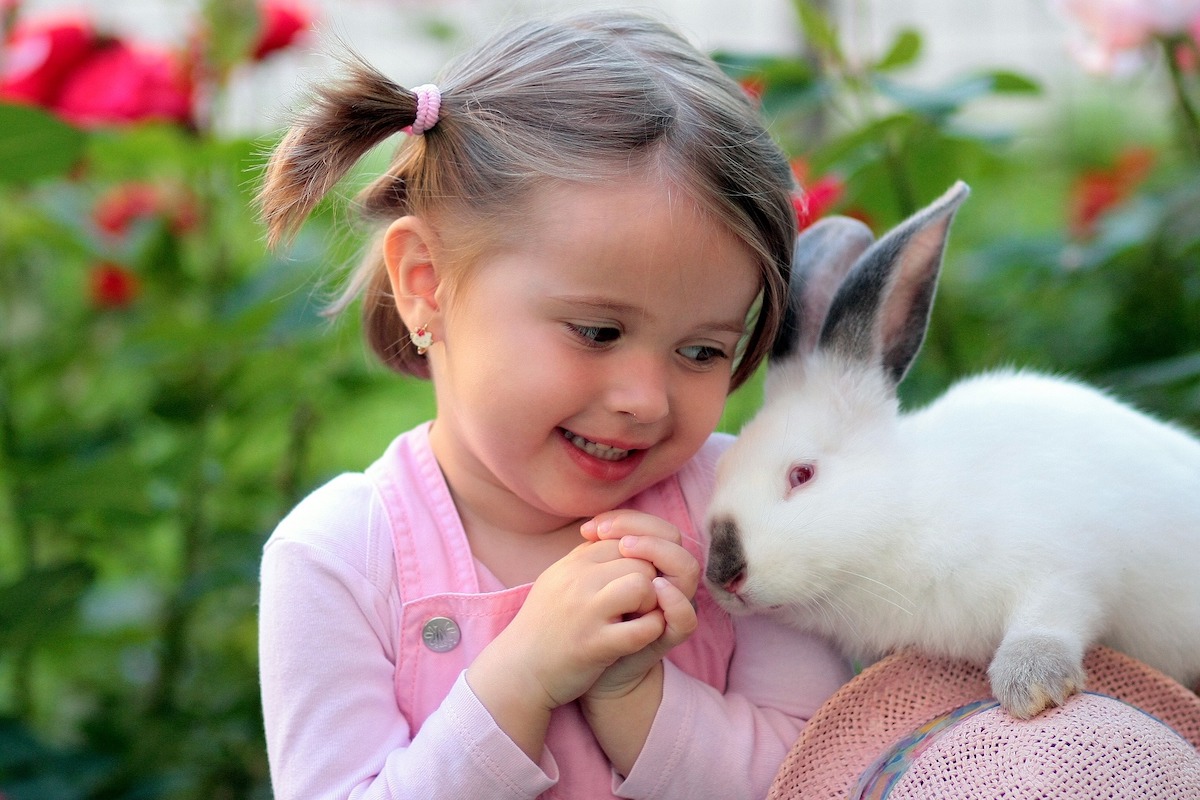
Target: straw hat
{"points": [[912, 727]]}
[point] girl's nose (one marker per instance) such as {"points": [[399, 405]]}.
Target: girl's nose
{"points": [[640, 388]]}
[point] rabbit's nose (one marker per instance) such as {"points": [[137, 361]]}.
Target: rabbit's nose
{"points": [[733, 584], [726, 560]]}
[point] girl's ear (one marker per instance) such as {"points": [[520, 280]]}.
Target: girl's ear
{"points": [[409, 252]]}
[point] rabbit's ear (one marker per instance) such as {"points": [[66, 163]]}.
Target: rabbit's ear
{"points": [[881, 311], [825, 251]]}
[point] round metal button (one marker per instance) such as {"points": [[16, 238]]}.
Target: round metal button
{"points": [[441, 634]]}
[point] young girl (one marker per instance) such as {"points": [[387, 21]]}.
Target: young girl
{"points": [[583, 244]]}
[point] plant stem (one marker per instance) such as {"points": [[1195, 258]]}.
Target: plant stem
{"points": [[24, 539], [299, 437], [177, 620]]}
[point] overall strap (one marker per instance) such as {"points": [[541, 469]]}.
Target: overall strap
{"points": [[430, 546]]}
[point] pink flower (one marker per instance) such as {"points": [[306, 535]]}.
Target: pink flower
{"points": [[1110, 34], [38, 58], [113, 286], [281, 23], [123, 83]]}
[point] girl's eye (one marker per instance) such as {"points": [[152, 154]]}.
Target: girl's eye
{"points": [[595, 335], [702, 354], [801, 474]]}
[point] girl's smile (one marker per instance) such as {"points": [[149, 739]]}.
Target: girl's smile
{"points": [[602, 461]]}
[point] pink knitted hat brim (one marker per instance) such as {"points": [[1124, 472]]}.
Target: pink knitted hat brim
{"points": [[896, 696]]}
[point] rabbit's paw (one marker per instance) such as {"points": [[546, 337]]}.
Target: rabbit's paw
{"points": [[1034, 672]]}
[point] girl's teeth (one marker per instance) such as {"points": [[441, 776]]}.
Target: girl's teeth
{"points": [[601, 451]]}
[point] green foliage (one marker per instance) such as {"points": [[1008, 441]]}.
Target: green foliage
{"points": [[153, 431], [34, 144], [148, 444]]}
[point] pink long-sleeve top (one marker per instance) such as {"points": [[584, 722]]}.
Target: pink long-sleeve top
{"points": [[372, 607]]}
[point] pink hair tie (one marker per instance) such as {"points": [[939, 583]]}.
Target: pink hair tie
{"points": [[429, 102]]}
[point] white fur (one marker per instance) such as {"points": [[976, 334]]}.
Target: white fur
{"points": [[1014, 522]]}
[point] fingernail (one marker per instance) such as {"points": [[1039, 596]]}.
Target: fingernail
{"points": [[604, 526], [628, 542]]}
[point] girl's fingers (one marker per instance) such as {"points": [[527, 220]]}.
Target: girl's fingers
{"points": [[629, 615], [632, 635], [630, 594], [623, 522], [647, 537], [671, 561], [679, 616]]}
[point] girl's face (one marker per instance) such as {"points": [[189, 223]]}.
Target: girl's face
{"points": [[592, 357]]}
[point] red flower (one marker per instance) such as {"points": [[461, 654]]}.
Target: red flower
{"points": [[817, 197], [1097, 191], [38, 58], [122, 83], [753, 87], [121, 206], [113, 286], [280, 23]]}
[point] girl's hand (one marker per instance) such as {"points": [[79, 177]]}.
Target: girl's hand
{"points": [[628, 672], [621, 705], [660, 544], [650, 538], [583, 613]]}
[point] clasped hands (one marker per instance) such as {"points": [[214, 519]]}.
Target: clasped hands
{"points": [[598, 620]]}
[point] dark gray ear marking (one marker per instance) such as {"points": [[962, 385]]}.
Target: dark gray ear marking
{"points": [[825, 251], [881, 311]]}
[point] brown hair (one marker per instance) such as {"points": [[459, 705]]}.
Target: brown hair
{"points": [[576, 99]]}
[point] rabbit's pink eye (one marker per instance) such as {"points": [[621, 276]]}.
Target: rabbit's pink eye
{"points": [[800, 474]]}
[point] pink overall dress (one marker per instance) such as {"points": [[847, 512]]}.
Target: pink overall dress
{"points": [[446, 620]]}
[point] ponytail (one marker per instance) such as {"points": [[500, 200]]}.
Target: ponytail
{"points": [[344, 121]]}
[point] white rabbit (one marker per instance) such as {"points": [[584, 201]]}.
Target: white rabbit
{"points": [[1015, 521]]}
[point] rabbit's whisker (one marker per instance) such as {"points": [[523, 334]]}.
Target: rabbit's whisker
{"points": [[838, 610], [907, 608]]}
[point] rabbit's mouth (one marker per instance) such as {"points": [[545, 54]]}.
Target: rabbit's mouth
{"points": [[604, 452]]}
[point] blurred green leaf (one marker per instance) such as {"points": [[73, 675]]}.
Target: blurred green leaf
{"points": [[35, 145], [860, 143], [905, 50], [40, 601], [1181, 369], [1004, 82], [819, 29], [111, 482], [949, 99]]}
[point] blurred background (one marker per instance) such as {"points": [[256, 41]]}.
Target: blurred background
{"points": [[169, 389]]}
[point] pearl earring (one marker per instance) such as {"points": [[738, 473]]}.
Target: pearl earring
{"points": [[421, 339]]}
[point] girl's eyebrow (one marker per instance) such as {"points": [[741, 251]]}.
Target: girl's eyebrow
{"points": [[597, 303], [600, 304]]}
